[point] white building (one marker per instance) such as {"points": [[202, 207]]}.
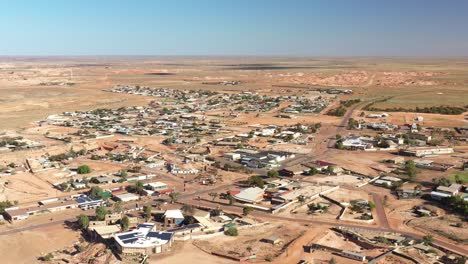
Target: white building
{"points": [[144, 240]]}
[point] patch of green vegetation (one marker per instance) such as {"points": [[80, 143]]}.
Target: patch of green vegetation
{"points": [[443, 110], [340, 111], [459, 177]]}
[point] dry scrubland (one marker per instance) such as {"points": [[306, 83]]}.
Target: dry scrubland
{"points": [[32, 88]]}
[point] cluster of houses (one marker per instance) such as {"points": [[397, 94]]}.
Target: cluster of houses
{"points": [[303, 105], [178, 122], [243, 102], [84, 201], [8, 144], [259, 158], [278, 193], [169, 225], [453, 189], [180, 95], [417, 148], [81, 201], [253, 102]]}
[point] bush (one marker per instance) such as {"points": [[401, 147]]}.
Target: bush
{"points": [[232, 231], [256, 181], [247, 210], [4, 205], [340, 111], [83, 169], [47, 257], [83, 221], [272, 174]]}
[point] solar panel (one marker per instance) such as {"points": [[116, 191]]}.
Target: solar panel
{"points": [[127, 236], [162, 235]]}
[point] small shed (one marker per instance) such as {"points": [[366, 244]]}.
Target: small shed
{"points": [[274, 240]]}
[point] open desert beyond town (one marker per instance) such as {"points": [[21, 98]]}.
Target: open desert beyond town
{"points": [[146, 159]]}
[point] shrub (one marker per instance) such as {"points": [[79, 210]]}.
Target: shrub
{"points": [[83, 169], [232, 231]]}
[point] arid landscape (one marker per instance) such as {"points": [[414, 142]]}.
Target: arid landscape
{"points": [[197, 125]]}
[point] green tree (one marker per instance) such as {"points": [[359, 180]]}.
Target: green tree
{"points": [[118, 207], [371, 205], [232, 231], [313, 171], [428, 239], [410, 169], [101, 213], [83, 221], [213, 195], [332, 260], [83, 169], [301, 199], [442, 181], [139, 187], [4, 205], [48, 257], [188, 209], [337, 136], [247, 210], [339, 145], [272, 174], [125, 222], [330, 169], [174, 196], [256, 181], [97, 193], [147, 212], [230, 198], [459, 179]]}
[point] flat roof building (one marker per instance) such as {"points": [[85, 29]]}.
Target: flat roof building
{"points": [[126, 197], [144, 240]]}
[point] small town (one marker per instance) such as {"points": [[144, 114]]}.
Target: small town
{"points": [[223, 132], [142, 180]]}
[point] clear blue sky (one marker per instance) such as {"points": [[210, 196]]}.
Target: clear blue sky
{"points": [[235, 27]]}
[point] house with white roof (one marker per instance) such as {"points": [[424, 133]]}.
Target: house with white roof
{"points": [[144, 240], [250, 195]]}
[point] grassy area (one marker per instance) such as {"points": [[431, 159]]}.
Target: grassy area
{"points": [[462, 175]]}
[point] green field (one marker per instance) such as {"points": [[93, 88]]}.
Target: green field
{"points": [[463, 176]]}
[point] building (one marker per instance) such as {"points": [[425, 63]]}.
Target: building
{"points": [[48, 206], [444, 191], [274, 240], [85, 202], [126, 197], [232, 156], [104, 231], [319, 165], [424, 151], [353, 255], [408, 193], [357, 143], [112, 218], [294, 170], [250, 195], [387, 181], [261, 159], [173, 217], [431, 165], [144, 240], [156, 186], [420, 136]]}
